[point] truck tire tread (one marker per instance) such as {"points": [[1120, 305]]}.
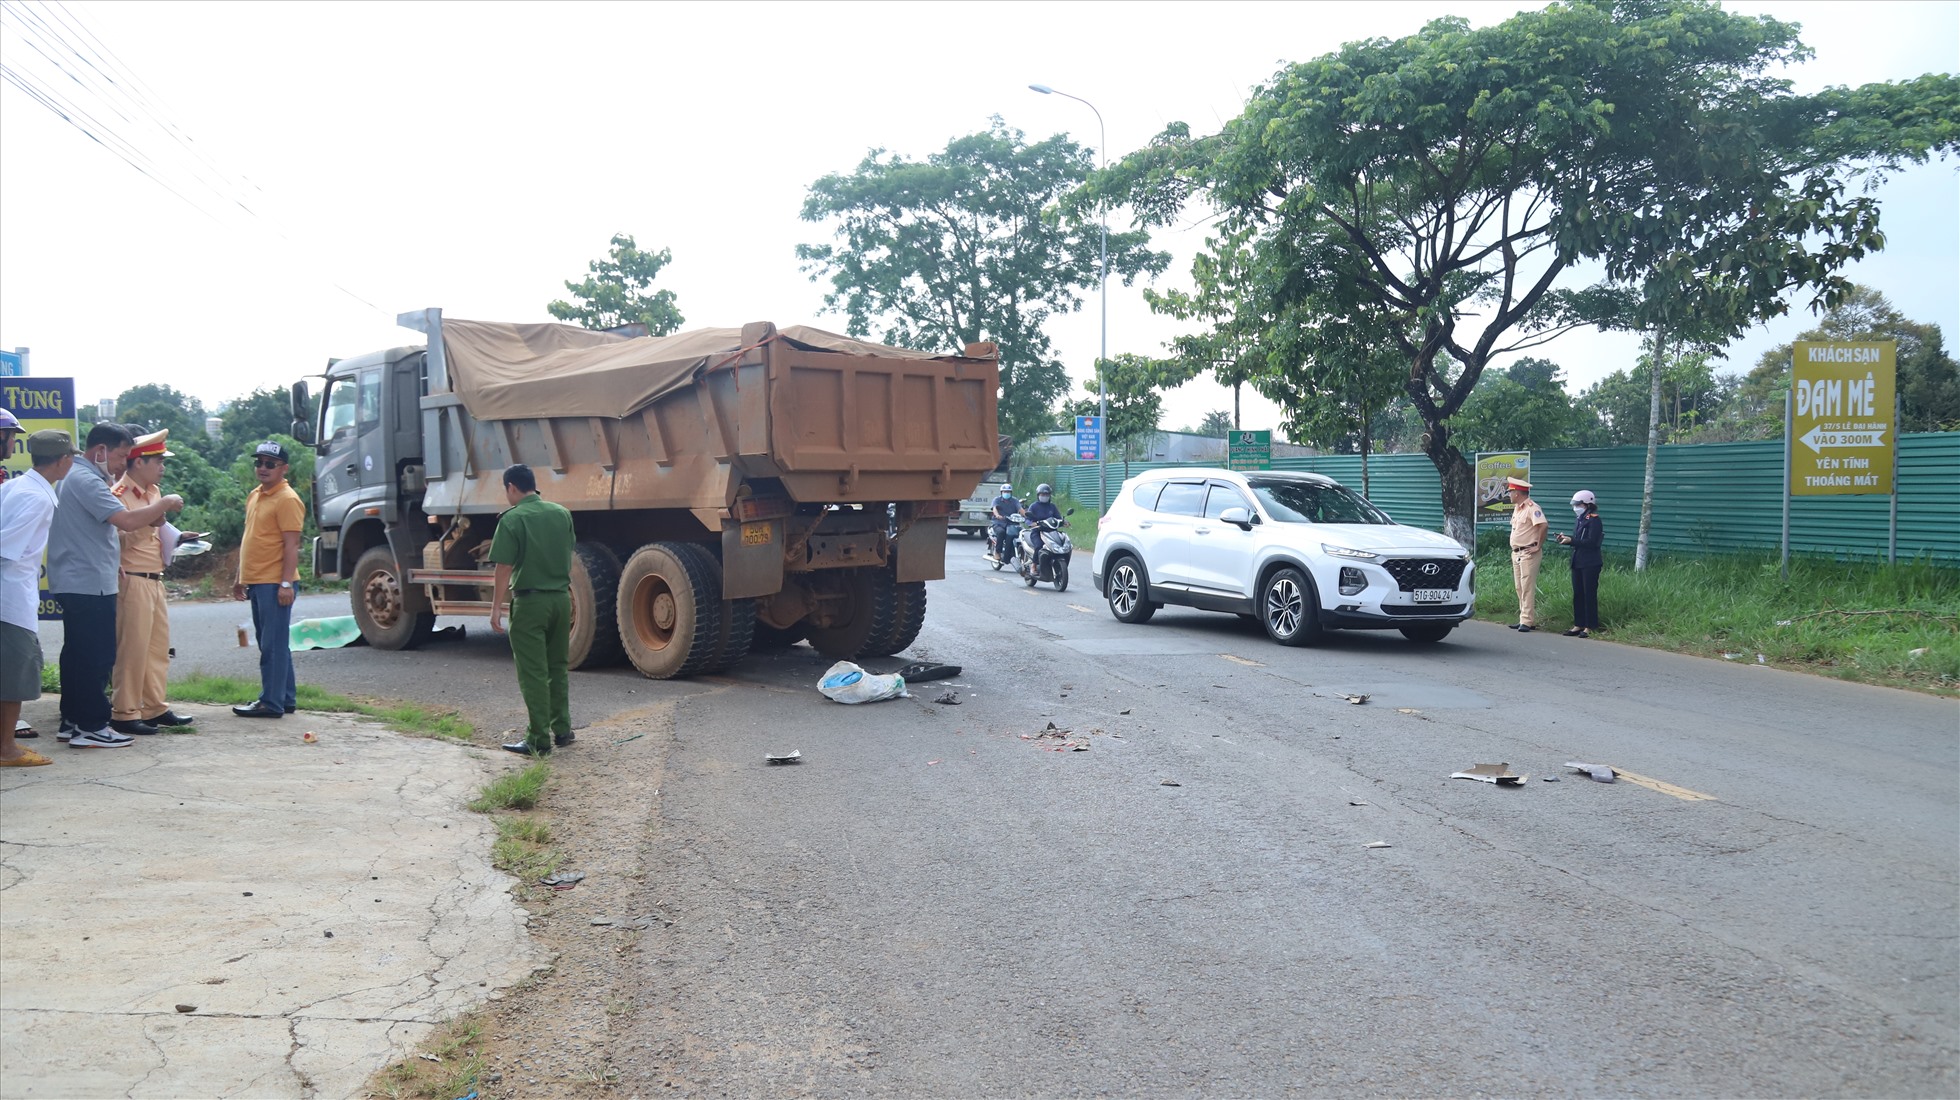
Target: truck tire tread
{"points": [[595, 583], [692, 642]]}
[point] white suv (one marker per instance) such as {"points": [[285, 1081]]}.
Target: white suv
{"points": [[1298, 552]]}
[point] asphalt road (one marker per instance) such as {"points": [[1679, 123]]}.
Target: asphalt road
{"points": [[935, 903]]}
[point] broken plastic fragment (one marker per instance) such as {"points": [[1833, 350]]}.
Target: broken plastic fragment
{"points": [[1378, 844], [1356, 700], [1600, 772], [794, 756]]}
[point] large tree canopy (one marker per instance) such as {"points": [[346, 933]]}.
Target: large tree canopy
{"points": [[1448, 181], [969, 245], [617, 292]]}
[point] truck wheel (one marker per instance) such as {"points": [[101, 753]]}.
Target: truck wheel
{"points": [[908, 617], [392, 615], [669, 613], [595, 595], [737, 616], [864, 616]]}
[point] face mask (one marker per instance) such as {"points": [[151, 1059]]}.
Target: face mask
{"points": [[1578, 509]]}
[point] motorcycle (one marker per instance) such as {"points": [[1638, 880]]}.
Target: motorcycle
{"points": [[1045, 552], [1001, 543]]}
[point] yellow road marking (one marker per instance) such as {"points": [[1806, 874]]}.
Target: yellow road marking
{"points": [[1084, 610], [1682, 793], [1242, 661]]}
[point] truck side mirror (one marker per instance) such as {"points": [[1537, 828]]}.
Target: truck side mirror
{"points": [[302, 415]]}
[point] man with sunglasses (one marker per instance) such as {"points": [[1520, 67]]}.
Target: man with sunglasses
{"points": [[268, 575], [142, 608]]}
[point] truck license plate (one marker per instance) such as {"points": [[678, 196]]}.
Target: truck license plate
{"points": [[755, 534], [1433, 595]]}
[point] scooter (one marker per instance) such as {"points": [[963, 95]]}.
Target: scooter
{"points": [[1045, 552], [1001, 542]]}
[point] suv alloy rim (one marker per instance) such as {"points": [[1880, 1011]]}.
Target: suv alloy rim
{"points": [[1283, 606], [1123, 589]]}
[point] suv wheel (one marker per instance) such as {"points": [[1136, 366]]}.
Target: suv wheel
{"points": [[1288, 608], [1128, 591]]}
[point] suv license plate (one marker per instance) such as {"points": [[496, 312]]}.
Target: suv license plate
{"points": [[1433, 595]]}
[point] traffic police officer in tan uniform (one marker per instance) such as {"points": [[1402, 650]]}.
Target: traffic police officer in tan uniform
{"points": [[142, 610], [1527, 551]]}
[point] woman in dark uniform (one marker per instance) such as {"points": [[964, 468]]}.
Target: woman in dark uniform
{"points": [[1584, 540]]}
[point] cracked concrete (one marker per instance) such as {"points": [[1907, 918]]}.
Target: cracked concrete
{"points": [[322, 906]]}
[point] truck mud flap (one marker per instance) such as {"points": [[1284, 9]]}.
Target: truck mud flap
{"points": [[921, 550], [751, 558]]}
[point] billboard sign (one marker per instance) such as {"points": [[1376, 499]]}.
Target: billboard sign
{"points": [[1493, 503], [1088, 438], [1249, 450], [38, 403], [1842, 429]]}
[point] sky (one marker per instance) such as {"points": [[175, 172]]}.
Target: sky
{"points": [[311, 170]]}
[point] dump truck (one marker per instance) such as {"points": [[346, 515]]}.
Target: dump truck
{"points": [[730, 488]]}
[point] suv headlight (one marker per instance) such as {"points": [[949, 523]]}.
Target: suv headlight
{"points": [[1348, 552]]}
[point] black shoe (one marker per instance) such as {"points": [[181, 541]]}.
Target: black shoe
{"points": [[1514, 626], [170, 718], [257, 709], [523, 749], [134, 729], [563, 739], [1524, 629]]}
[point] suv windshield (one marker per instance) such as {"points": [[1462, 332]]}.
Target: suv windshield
{"points": [[1310, 502]]}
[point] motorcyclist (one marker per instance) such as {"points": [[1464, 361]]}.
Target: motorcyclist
{"points": [[1006, 507], [1042, 508]]}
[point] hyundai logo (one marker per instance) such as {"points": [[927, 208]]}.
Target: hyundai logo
{"points": [[1430, 569]]}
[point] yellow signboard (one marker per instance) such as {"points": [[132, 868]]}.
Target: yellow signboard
{"points": [[1493, 503], [1843, 430]]}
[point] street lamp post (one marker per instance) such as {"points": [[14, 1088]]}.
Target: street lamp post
{"points": [[1102, 394]]}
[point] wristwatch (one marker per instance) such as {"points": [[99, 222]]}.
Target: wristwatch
{"points": [[285, 584]]}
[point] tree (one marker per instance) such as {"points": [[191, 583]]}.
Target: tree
{"points": [[1225, 298], [1216, 424], [969, 245], [152, 407], [1524, 407], [615, 293], [257, 416], [1450, 179], [1135, 405], [1928, 378], [1332, 375]]}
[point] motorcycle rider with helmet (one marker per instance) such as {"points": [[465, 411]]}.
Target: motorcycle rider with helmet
{"points": [[1006, 507], [1042, 508]]}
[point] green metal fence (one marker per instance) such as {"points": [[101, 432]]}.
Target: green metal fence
{"points": [[1707, 497]]}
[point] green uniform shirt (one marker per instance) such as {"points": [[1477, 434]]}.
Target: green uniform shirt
{"points": [[534, 537]]}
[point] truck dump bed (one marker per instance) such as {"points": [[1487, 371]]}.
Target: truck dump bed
{"points": [[682, 422]]}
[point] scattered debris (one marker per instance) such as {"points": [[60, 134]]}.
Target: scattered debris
{"points": [[1169, 783], [623, 740], [1378, 844], [1491, 773], [426, 1057], [1053, 731], [601, 922], [950, 699], [794, 756], [1730, 656], [921, 673], [309, 737], [1600, 772], [1407, 710], [1761, 660], [1783, 622], [845, 682], [1356, 700], [1356, 802], [930, 763], [187, 1008], [1126, 710], [1551, 779], [1920, 652], [562, 880]]}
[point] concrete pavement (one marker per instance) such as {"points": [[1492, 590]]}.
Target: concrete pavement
{"points": [[317, 907]]}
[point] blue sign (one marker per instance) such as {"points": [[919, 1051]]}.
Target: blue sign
{"points": [[1088, 438], [12, 365]]}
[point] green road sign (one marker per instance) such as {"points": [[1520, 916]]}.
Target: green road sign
{"points": [[1249, 450]]}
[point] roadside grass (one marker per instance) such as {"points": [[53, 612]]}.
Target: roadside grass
{"points": [[518, 790], [201, 687], [454, 1072], [1897, 625], [523, 849]]}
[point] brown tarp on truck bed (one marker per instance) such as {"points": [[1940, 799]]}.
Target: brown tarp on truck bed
{"points": [[508, 371]]}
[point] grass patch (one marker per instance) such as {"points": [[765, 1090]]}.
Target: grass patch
{"points": [[1895, 625], [455, 1072], [200, 687], [523, 849], [516, 790]]}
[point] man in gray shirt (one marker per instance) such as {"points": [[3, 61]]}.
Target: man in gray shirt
{"points": [[84, 573]]}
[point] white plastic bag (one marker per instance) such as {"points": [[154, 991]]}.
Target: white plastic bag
{"points": [[847, 683]]}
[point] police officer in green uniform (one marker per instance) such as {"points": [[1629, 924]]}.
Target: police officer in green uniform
{"points": [[532, 550]]}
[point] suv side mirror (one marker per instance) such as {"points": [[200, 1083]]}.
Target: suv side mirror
{"points": [[1237, 517]]}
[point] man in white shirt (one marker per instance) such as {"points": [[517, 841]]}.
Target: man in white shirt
{"points": [[27, 505]]}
